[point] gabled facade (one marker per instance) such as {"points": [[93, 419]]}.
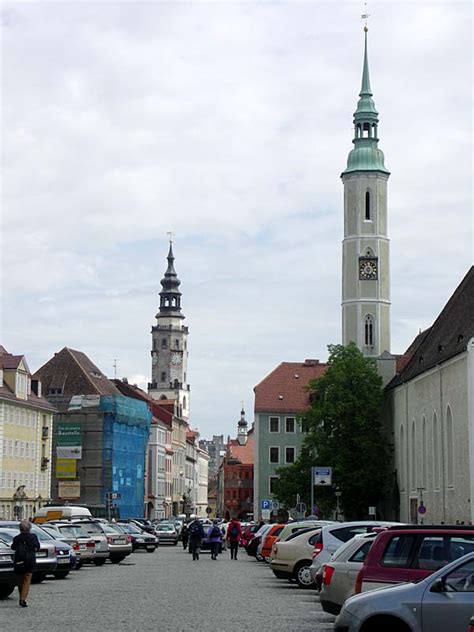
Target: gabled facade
{"points": [[431, 407], [280, 399], [26, 423]]}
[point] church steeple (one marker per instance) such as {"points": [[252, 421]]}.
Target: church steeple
{"points": [[242, 428], [366, 156], [170, 296]]}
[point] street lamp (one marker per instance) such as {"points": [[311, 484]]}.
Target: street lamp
{"points": [[337, 494]]}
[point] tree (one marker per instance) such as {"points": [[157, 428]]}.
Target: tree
{"points": [[344, 430]]}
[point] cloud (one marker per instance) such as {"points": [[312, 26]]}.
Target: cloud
{"points": [[229, 123]]}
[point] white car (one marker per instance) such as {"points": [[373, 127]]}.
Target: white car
{"points": [[333, 536], [292, 558]]}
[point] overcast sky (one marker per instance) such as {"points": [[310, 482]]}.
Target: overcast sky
{"points": [[228, 123]]}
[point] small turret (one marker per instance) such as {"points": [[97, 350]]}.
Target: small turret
{"points": [[170, 296]]}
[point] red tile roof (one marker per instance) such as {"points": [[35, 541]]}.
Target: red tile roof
{"points": [[285, 388], [242, 453]]}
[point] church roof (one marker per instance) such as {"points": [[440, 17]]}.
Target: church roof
{"points": [[242, 453], [446, 338], [285, 388]]}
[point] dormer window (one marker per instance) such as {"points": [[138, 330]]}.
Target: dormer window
{"points": [[1, 377], [21, 385]]}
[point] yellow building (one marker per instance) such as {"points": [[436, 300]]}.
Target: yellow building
{"points": [[26, 425]]}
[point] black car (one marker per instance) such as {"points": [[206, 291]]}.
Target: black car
{"points": [[7, 576], [140, 538]]}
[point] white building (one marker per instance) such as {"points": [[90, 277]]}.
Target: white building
{"points": [[202, 482], [156, 469]]}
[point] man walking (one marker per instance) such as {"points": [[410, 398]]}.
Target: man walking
{"points": [[196, 534], [234, 535], [25, 544]]}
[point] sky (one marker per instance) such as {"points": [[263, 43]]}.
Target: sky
{"points": [[228, 123]]}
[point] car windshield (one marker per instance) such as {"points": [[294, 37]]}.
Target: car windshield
{"points": [[92, 527], [75, 532], [165, 527], [110, 528], [41, 534], [8, 535], [131, 528]]}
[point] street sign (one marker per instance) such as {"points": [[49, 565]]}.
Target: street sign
{"points": [[421, 509], [266, 504], [266, 514], [275, 505], [372, 511], [301, 508], [322, 476]]}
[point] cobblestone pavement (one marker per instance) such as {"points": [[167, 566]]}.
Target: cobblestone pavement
{"points": [[167, 591]]}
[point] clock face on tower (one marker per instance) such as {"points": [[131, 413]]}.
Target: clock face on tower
{"points": [[368, 268], [176, 359]]}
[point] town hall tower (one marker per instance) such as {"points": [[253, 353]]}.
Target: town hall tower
{"points": [[365, 248]]}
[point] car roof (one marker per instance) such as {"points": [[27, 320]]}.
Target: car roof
{"points": [[431, 527]]}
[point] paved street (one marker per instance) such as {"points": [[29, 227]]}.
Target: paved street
{"points": [[168, 591]]}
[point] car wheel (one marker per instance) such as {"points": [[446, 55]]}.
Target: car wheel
{"points": [[116, 559], [38, 578], [61, 574], [302, 574], [6, 590], [100, 561]]}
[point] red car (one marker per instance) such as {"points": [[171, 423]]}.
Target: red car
{"points": [[412, 552], [471, 625]]}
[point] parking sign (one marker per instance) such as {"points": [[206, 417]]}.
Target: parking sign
{"points": [[265, 504], [322, 476]]}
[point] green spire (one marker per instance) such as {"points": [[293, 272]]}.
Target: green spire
{"points": [[366, 156]]}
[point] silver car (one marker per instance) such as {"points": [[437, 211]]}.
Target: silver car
{"points": [[46, 557], [443, 601], [340, 573], [75, 536], [7, 576]]}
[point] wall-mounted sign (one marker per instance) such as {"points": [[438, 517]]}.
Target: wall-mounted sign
{"points": [[69, 452], [65, 468], [69, 434], [69, 489]]}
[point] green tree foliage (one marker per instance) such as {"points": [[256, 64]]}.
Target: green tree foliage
{"points": [[344, 431]]}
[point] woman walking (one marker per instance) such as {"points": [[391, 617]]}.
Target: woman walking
{"points": [[25, 545], [215, 539]]}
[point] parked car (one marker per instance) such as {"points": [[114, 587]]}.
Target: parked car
{"points": [[81, 542], [92, 527], [471, 625], [443, 601], [167, 533], [7, 576], [48, 513], [340, 573], [252, 546], [110, 543], [293, 527], [140, 539], [46, 557], [292, 558], [270, 537], [333, 536], [120, 543], [411, 553], [143, 523]]}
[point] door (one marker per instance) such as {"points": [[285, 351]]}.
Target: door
{"points": [[452, 608]]}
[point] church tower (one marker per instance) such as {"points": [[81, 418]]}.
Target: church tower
{"points": [[365, 247], [242, 428], [169, 353]]}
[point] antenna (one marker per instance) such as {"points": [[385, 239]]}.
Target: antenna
{"points": [[365, 16]]}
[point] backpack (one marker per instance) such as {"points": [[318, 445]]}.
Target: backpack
{"points": [[193, 529], [25, 558], [215, 532], [234, 532]]}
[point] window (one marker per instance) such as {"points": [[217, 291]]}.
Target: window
{"points": [[271, 483], [290, 424], [369, 331], [176, 344], [347, 533], [461, 579], [274, 455], [184, 403], [368, 216], [424, 454], [274, 424], [402, 459], [361, 554], [450, 446], [164, 343], [435, 452], [398, 551], [163, 376], [413, 456], [289, 455]]}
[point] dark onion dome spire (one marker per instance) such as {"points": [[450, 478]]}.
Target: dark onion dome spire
{"points": [[242, 423], [170, 296], [366, 156]]}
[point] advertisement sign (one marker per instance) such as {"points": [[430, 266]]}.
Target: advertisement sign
{"points": [[69, 452], [66, 468], [69, 489], [69, 434]]}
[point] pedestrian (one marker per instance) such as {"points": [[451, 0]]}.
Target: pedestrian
{"points": [[215, 539], [196, 534], [184, 536], [25, 544], [234, 535]]}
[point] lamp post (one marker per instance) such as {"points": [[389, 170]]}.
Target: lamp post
{"points": [[337, 494]]}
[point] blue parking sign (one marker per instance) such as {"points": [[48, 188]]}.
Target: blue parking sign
{"points": [[265, 504]]}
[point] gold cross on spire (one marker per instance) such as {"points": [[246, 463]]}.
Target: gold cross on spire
{"points": [[365, 16]]}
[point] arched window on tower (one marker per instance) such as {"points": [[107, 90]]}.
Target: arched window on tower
{"points": [[368, 211], [163, 377], [369, 331], [164, 344], [184, 403]]}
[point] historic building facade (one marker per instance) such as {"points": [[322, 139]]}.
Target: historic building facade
{"points": [[26, 426]]}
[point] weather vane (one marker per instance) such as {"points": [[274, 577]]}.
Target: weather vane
{"points": [[365, 16], [171, 234]]}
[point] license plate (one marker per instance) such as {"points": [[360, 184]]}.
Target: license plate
{"points": [[41, 554], [119, 542], [82, 547], [63, 560]]}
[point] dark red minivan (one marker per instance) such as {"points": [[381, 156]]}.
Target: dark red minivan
{"points": [[412, 552]]}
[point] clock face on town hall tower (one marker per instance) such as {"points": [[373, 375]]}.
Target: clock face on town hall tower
{"points": [[176, 359], [368, 268]]}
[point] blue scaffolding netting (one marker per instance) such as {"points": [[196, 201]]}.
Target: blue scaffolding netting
{"points": [[126, 429]]}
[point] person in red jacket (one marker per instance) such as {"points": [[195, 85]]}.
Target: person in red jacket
{"points": [[234, 534]]}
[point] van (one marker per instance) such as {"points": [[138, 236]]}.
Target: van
{"points": [[64, 512], [411, 553]]}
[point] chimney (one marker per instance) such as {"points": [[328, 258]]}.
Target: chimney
{"points": [[311, 362]]}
